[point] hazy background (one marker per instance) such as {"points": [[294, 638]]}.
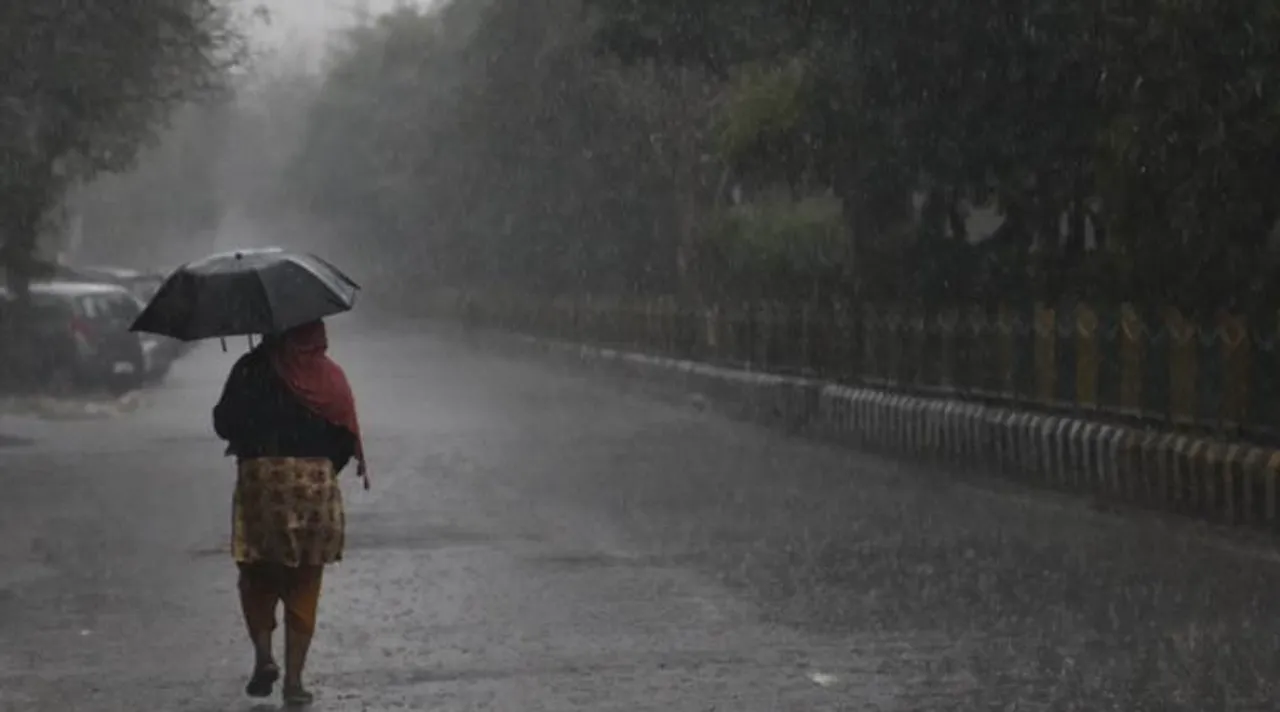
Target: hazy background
{"points": [[310, 22], [739, 152], [214, 179]]}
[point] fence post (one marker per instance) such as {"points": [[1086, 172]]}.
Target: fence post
{"points": [[1086, 395], [1134, 342], [1182, 366], [1237, 364], [1045, 349], [711, 324], [1005, 325]]}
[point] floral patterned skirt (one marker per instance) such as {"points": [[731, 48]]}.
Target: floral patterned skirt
{"points": [[287, 511]]}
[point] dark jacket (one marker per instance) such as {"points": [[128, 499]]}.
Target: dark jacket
{"points": [[259, 416]]}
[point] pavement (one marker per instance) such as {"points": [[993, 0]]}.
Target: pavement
{"points": [[544, 539]]}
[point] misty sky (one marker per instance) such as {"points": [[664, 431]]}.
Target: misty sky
{"points": [[309, 21]]}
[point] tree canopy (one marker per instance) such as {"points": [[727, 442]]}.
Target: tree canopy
{"points": [[974, 150], [86, 84], [488, 141], [1149, 123]]}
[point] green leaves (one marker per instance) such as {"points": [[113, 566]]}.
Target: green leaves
{"points": [[1123, 147], [492, 143], [779, 246], [87, 83], [1153, 119], [763, 103]]}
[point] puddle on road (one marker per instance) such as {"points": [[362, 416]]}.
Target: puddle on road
{"points": [[211, 551], [11, 441], [430, 539], [72, 408], [822, 679], [16, 574], [185, 439], [424, 538], [572, 560]]}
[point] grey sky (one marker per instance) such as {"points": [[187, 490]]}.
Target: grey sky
{"points": [[309, 21]]}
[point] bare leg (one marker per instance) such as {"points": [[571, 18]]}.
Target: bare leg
{"points": [[258, 598], [296, 645], [262, 655], [301, 600]]}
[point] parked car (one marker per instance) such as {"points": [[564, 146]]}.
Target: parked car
{"points": [[143, 284], [82, 339]]}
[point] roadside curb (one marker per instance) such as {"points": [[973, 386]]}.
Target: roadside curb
{"points": [[1222, 481]]}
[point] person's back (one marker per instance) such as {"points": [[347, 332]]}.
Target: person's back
{"points": [[259, 417], [288, 416]]}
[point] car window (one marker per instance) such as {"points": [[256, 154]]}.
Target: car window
{"points": [[114, 308], [123, 307], [88, 307]]}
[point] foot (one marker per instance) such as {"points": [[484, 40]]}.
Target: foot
{"points": [[296, 696], [263, 680]]}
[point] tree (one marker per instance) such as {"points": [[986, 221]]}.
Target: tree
{"points": [[156, 210], [1124, 146], [87, 84], [1185, 161], [1141, 128], [487, 143]]}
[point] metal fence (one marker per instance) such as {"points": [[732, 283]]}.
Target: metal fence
{"points": [[1218, 374]]}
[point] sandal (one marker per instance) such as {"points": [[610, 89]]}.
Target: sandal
{"points": [[263, 681], [297, 697]]}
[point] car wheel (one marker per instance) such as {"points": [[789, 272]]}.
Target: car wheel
{"points": [[123, 383]]}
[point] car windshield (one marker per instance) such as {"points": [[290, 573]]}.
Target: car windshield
{"points": [[110, 307], [123, 306]]}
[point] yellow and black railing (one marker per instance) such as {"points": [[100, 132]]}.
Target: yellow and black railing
{"points": [[1157, 365], [1219, 373]]}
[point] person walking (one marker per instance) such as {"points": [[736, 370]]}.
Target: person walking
{"points": [[288, 416]]}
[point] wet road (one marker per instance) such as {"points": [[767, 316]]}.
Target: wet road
{"points": [[542, 540]]}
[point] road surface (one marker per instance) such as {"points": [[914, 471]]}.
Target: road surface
{"points": [[539, 539]]}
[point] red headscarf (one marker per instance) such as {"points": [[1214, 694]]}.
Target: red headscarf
{"points": [[299, 357]]}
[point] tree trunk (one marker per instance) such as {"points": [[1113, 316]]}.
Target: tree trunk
{"points": [[687, 263], [18, 251], [17, 254]]}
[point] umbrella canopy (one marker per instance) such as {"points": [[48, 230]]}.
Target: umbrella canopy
{"points": [[259, 291]]}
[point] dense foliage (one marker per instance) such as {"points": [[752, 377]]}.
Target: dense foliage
{"points": [[1119, 150], [85, 85], [490, 143]]}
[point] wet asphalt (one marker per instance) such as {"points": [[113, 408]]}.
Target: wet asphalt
{"points": [[543, 539]]}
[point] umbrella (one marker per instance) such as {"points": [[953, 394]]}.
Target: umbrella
{"points": [[246, 292]]}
